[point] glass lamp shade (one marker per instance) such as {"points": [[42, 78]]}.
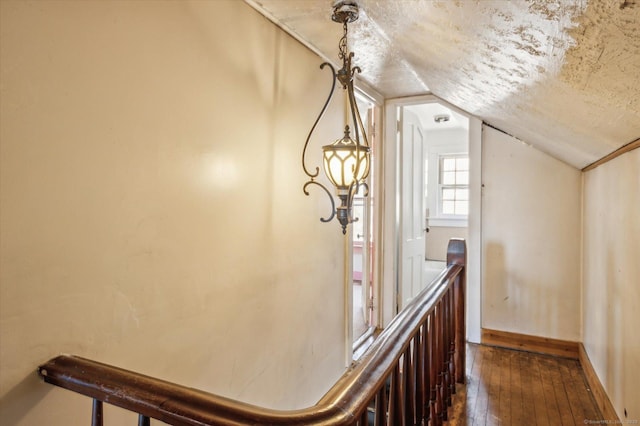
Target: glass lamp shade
{"points": [[341, 161]]}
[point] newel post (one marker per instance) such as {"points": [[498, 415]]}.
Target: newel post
{"points": [[457, 255]]}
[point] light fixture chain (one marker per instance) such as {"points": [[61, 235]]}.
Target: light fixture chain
{"points": [[343, 45]]}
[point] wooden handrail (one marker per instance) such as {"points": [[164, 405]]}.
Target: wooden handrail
{"points": [[406, 376]]}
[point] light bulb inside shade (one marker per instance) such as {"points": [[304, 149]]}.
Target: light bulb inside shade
{"points": [[342, 159]]}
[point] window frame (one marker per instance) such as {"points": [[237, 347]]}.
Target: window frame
{"points": [[449, 219], [452, 186]]}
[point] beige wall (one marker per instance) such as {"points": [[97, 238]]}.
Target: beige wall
{"points": [[531, 240], [438, 238], [152, 207], [611, 270]]}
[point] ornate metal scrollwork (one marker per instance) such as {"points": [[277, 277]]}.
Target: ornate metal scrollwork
{"points": [[314, 175], [345, 13]]}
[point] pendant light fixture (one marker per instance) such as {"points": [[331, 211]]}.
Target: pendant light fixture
{"points": [[346, 161]]}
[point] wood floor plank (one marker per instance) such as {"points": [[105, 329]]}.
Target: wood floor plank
{"points": [[460, 410], [474, 384], [471, 357], [553, 413], [510, 387], [517, 417], [504, 406], [493, 406], [562, 400], [526, 379], [480, 412], [572, 395], [580, 386], [539, 402], [473, 379]]}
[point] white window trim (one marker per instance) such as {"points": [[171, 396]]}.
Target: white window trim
{"points": [[449, 221], [435, 205]]}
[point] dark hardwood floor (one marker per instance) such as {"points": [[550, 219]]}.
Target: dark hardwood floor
{"points": [[508, 387]]}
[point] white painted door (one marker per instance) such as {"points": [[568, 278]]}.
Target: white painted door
{"points": [[412, 215], [361, 243]]}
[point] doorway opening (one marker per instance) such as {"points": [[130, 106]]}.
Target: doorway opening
{"points": [[433, 192], [445, 186]]}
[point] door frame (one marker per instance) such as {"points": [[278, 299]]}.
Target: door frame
{"points": [[391, 233], [367, 92]]}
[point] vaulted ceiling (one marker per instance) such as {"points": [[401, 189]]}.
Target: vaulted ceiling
{"points": [[562, 75]]}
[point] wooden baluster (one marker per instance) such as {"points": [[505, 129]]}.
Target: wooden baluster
{"points": [[440, 407], [426, 354], [446, 378], [457, 255], [143, 420], [364, 418], [427, 369], [436, 364], [452, 344], [444, 350], [452, 338], [400, 413], [433, 374], [396, 417], [430, 374], [460, 329], [409, 381], [418, 360], [96, 413], [381, 406], [392, 399]]}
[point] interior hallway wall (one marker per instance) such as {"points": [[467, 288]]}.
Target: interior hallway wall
{"points": [[531, 238], [611, 274], [152, 212]]}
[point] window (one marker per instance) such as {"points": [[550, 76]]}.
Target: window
{"points": [[453, 185]]}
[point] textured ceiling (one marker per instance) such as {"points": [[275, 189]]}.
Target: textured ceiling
{"points": [[562, 75], [427, 114]]}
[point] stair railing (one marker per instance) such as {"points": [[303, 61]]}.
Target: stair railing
{"points": [[406, 377]]}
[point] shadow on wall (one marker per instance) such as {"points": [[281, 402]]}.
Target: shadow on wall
{"points": [[16, 403]]}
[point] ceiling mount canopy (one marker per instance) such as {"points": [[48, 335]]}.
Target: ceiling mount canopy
{"points": [[345, 12], [346, 161]]}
